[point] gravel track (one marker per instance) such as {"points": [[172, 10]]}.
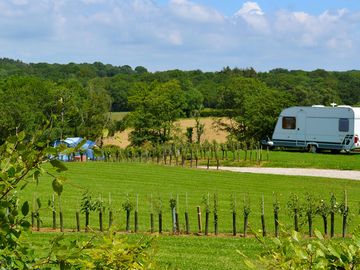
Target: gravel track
{"points": [[341, 174]]}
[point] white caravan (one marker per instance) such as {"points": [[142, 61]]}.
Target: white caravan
{"points": [[318, 127]]}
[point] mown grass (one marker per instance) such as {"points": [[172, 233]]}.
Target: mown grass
{"points": [[189, 252], [181, 252], [297, 159], [162, 182]]}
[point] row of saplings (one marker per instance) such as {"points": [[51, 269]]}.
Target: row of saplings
{"points": [[179, 154], [301, 211]]}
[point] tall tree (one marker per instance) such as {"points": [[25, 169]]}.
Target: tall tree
{"points": [[252, 108], [156, 107]]}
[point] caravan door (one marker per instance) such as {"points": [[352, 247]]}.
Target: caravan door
{"points": [[301, 128]]}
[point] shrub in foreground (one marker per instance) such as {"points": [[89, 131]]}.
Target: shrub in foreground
{"points": [[297, 252]]}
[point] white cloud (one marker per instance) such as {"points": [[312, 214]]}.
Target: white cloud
{"points": [[326, 29], [253, 15], [194, 12], [250, 8]]}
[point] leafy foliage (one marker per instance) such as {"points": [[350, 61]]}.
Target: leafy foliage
{"points": [[156, 107], [297, 252], [22, 160]]}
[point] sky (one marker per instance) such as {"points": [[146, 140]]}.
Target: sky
{"points": [[184, 34]]}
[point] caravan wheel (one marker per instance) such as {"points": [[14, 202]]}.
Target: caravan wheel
{"points": [[313, 148]]}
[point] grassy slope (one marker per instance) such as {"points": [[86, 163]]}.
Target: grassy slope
{"points": [[189, 252]]}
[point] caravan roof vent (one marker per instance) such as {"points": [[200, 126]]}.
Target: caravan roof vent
{"points": [[344, 106], [318, 106]]}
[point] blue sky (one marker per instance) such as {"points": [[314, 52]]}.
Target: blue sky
{"points": [[184, 34]]}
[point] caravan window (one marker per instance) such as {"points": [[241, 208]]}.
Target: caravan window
{"points": [[344, 124], [288, 122]]}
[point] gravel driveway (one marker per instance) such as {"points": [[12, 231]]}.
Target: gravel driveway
{"points": [[342, 174]]}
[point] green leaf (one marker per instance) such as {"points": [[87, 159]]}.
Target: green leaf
{"points": [[23, 186], [38, 202], [333, 252], [57, 185], [58, 165], [319, 234], [105, 132], [36, 176], [51, 151], [295, 236], [25, 208], [25, 224], [21, 135], [249, 264]]}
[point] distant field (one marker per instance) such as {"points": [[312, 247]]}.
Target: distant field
{"points": [[211, 132]]}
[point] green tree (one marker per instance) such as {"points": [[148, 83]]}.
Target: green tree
{"points": [[156, 107], [252, 107]]}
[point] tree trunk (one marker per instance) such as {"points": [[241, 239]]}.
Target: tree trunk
{"points": [[344, 224], [310, 224], [216, 228], [101, 221], [54, 220], [207, 223], [61, 222], [160, 223], [187, 223], [127, 220], [276, 219], [296, 220], [199, 219], [332, 224], [246, 220], [325, 224], [87, 220], [136, 221], [77, 215], [234, 223], [110, 218], [263, 225]]}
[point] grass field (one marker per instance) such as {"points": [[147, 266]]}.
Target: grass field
{"points": [[183, 252], [296, 159], [190, 252]]}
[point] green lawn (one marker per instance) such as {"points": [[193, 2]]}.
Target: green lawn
{"points": [[183, 252], [324, 160], [189, 252], [296, 159], [119, 179]]}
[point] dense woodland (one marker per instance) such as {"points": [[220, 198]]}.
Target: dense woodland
{"points": [[75, 98]]}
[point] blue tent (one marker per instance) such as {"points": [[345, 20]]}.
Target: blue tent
{"points": [[87, 151]]}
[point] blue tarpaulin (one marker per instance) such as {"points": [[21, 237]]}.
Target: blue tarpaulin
{"points": [[86, 149]]}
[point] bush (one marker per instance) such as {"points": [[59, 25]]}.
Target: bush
{"points": [[297, 252], [209, 112]]}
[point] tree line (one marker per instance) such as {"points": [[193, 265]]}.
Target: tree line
{"points": [[79, 95]]}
